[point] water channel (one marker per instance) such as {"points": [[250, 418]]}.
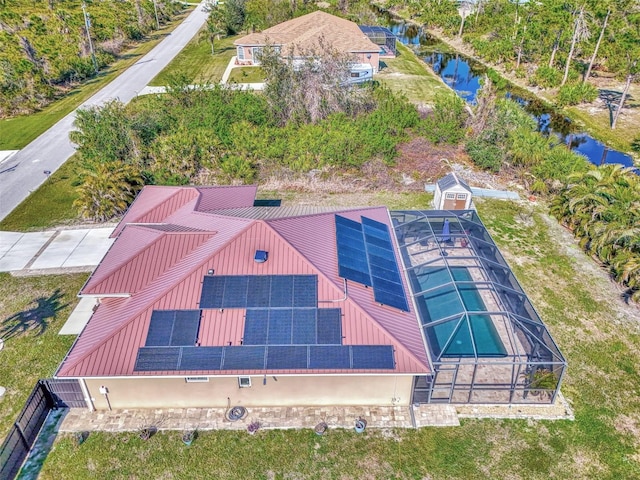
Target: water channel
{"points": [[464, 76]]}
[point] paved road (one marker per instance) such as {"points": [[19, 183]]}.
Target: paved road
{"points": [[24, 171]]}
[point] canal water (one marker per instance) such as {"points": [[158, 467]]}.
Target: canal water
{"points": [[464, 76]]}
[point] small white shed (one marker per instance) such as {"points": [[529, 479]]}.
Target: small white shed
{"points": [[452, 194]]}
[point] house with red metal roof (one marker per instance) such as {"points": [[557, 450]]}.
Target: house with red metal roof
{"points": [[196, 306], [209, 296]]}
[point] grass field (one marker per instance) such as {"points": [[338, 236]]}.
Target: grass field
{"points": [[19, 131], [246, 75], [196, 63], [49, 205], [41, 305], [597, 332], [406, 74]]}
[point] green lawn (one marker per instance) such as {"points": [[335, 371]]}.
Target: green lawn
{"points": [[246, 75], [407, 74], [598, 334], [19, 131], [49, 205], [196, 63], [44, 303]]}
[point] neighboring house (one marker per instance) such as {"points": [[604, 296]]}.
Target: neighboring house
{"points": [[206, 298], [314, 32], [452, 193]]}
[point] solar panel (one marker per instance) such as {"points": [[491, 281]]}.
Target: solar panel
{"points": [[352, 260], [287, 357], [255, 327], [281, 291], [173, 328], [152, 359], [200, 358], [304, 326], [259, 291], [185, 328], [243, 358], [212, 291], [329, 328], [305, 291], [280, 327], [329, 357], [372, 357], [235, 291], [160, 328]]}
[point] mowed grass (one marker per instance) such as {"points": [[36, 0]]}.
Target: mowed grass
{"points": [[17, 132], [408, 75], [42, 302], [597, 332], [196, 63], [247, 75], [50, 205]]}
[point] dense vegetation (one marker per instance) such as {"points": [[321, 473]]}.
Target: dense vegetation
{"points": [[602, 207], [550, 43], [44, 47], [224, 136]]}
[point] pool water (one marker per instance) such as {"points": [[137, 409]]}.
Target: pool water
{"points": [[455, 338]]}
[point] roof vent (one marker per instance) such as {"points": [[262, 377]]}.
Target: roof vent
{"points": [[261, 256]]}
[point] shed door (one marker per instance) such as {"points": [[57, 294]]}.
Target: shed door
{"points": [[449, 201], [455, 201], [461, 201]]}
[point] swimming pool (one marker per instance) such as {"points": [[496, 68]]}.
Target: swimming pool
{"points": [[457, 337]]}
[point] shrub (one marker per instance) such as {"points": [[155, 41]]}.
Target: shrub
{"points": [[546, 77], [484, 154], [573, 94], [446, 123]]}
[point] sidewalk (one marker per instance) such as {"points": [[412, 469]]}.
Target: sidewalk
{"points": [[53, 251]]}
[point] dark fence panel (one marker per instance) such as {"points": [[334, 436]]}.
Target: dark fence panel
{"points": [[24, 432], [66, 393]]}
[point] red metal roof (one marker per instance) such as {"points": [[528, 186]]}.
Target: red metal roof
{"points": [[138, 258], [218, 198], [302, 245]]}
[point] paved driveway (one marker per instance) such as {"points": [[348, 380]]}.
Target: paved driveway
{"points": [[55, 249]]}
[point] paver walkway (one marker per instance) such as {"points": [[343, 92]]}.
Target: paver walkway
{"points": [[269, 418]]}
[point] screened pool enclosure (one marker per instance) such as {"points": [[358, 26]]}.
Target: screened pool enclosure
{"points": [[486, 341]]}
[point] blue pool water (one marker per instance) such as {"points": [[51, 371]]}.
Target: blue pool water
{"points": [[454, 338]]}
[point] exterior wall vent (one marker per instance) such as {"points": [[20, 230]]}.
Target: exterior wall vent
{"points": [[261, 256]]}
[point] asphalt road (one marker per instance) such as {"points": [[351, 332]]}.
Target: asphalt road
{"points": [[25, 171]]}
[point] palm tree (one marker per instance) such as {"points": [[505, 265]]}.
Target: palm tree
{"points": [[107, 190]]}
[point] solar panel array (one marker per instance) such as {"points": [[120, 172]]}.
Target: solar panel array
{"points": [[352, 260], [385, 275], [366, 256], [173, 328], [293, 326], [259, 291], [269, 357]]}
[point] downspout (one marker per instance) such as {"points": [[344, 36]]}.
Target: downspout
{"points": [[87, 397]]}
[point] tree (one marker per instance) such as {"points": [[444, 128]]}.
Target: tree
{"points": [[597, 47], [107, 189], [216, 24], [104, 133], [235, 14], [309, 90], [580, 32]]}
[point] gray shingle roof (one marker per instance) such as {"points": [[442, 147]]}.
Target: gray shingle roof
{"points": [[451, 180]]}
